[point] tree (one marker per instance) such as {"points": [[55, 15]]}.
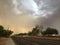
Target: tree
{"points": [[4, 32], [35, 31], [20, 34], [1, 27], [49, 31], [29, 33]]}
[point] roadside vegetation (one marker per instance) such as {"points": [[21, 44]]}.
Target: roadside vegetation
{"points": [[5, 32], [38, 31]]}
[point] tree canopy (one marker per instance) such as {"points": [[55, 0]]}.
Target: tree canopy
{"points": [[1, 27], [5, 32], [35, 31], [49, 31]]}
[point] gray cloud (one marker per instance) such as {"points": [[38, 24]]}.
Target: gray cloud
{"points": [[50, 9]]}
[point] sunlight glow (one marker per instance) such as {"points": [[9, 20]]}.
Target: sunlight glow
{"points": [[23, 30]]}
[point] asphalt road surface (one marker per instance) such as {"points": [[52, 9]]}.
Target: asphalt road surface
{"points": [[35, 41]]}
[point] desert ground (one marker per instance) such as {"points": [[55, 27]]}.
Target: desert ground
{"points": [[36, 40]]}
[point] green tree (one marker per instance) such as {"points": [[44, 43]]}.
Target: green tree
{"points": [[35, 31], [29, 33], [20, 34], [50, 31], [4, 32], [1, 27]]}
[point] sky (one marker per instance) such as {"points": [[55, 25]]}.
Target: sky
{"points": [[21, 16]]}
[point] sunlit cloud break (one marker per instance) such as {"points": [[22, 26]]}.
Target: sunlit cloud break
{"points": [[31, 7], [24, 6]]}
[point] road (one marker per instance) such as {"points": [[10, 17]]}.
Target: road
{"points": [[10, 42], [34, 41]]}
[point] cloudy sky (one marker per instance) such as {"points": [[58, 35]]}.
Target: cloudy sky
{"points": [[22, 15]]}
